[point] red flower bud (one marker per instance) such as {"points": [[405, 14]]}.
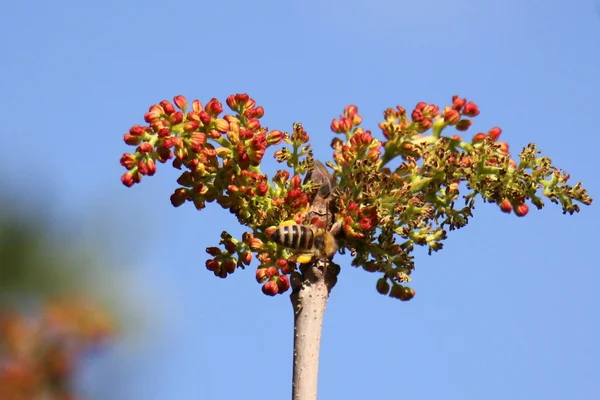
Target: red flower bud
{"points": [[274, 137], [505, 206], [417, 115], [147, 167], [132, 140], [262, 188], [256, 244], [345, 124], [221, 125], [164, 132], [463, 125], [212, 265], [451, 117], [145, 148], [196, 106], [214, 107], [471, 110], [204, 117], [127, 179], [426, 123], [479, 137], [231, 102], [179, 197], [283, 283], [177, 118], [253, 124], [190, 126], [261, 274], [259, 112], [153, 114], [512, 163], [296, 181], [383, 287], [458, 103], [229, 266], [503, 148], [494, 133], [420, 106], [335, 126], [128, 160], [521, 210], [246, 257], [213, 251], [181, 102], [167, 107], [137, 130], [272, 271], [365, 224], [270, 288]]}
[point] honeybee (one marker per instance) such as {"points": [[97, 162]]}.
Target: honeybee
{"points": [[314, 238]]}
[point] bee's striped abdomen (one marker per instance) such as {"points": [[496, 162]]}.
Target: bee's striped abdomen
{"points": [[297, 237]]}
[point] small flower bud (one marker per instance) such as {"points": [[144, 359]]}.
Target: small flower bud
{"points": [[383, 287], [463, 125], [272, 271], [503, 148], [221, 125], [246, 257], [494, 133], [153, 114], [196, 106], [479, 137], [127, 179], [471, 109], [204, 117], [451, 117], [177, 118], [179, 196], [521, 210], [458, 103], [191, 126], [181, 102], [262, 189], [145, 148], [283, 283], [214, 107], [128, 160], [229, 265], [505, 206], [261, 275], [167, 107], [270, 288], [132, 140], [256, 244], [274, 137], [212, 265], [213, 251]]}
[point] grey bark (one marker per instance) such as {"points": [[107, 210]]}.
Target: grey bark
{"points": [[311, 288]]}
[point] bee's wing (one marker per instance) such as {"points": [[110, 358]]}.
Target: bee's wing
{"points": [[320, 213], [321, 176]]}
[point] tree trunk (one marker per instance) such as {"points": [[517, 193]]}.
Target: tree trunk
{"points": [[309, 298]]}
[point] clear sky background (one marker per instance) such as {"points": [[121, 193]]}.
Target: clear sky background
{"points": [[509, 308]]}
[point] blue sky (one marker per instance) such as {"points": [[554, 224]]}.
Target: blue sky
{"points": [[509, 308]]}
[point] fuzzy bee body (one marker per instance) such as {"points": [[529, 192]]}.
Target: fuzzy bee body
{"points": [[308, 240], [315, 238]]}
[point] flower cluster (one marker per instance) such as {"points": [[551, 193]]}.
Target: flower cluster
{"points": [[392, 193], [39, 352]]}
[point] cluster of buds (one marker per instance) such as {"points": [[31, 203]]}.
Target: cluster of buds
{"points": [[39, 352], [392, 194], [274, 279]]}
